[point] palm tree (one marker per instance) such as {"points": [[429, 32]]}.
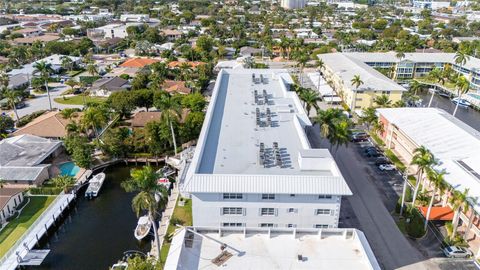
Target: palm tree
{"points": [[302, 58], [64, 182], [94, 117], [423, 159], [437, 179], [356, 81], [461, 58], [185, 71], [92, 70], [436, 75], [171, 110], [459, 203], [68, 113], [382, 101], [369, 117], [400, 55], [310, 99], [463, 85], [144, 181], [334, 126], [45, 69], [67, 62], [13, 97], [415, 86], [72, 83]]}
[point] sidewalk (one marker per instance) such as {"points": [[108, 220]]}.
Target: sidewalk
{"points": [[165, 221]]}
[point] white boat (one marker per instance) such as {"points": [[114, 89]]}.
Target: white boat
{"points": [[95, 185], [143, 227], [461, 102]]}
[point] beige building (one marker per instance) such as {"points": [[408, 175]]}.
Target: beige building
{"points": [[340, 69]]}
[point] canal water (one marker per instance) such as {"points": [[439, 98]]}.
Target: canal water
{"points": [[469, 116], [96, 232]]}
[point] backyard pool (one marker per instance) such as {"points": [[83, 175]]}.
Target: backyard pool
{"points": [[68, 168]]}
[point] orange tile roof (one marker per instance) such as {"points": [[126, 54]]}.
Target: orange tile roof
{"points": [[47, 125], [138, 62], [438, 213], [176, 87], [192, 64]]}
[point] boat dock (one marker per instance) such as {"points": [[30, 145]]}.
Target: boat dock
{"points": [[21, 252]]}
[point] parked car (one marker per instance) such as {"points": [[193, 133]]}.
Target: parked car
{"points": [[457, 252], [386, 167], [382, 160], [373, 153]]}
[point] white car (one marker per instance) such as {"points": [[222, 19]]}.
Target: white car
{"points": [[457, 252], [386, 167]]}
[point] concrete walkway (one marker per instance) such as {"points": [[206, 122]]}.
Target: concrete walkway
{"points": [[165, 221]]}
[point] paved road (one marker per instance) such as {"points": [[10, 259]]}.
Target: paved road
{"points": [[392, 249], [40, 102]]}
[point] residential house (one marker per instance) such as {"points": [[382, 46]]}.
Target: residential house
{"points": [[10, 198], [26, 41], [171, 35], [29, 32], [138, 62], [104, 87], [50, 125], [176, 87], [25, 159]]}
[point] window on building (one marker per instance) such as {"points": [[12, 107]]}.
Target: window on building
{"points": [[291, 225], [323, 211], [321, 226], [267, 211], [232, 224], [266, 225], [292, 195], [232, 211], [292, 210], [323, 196], [232, 196], [268, 196]]}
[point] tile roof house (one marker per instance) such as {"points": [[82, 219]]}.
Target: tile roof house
{"points": [[140, 119], [10, 198], [25, 159], [176, 87], [106, 86], [138, 62], [50, 125], [193, 64]]}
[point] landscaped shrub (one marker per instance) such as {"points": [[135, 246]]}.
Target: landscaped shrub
{"points": [[28, 118], [45, 191], [415, 223]]}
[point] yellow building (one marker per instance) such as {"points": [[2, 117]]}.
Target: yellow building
{"points": [[339, 70]]}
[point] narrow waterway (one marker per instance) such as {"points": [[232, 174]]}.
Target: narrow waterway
{"points": [[96, 232], [469, 116]]}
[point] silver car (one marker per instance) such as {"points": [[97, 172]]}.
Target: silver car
{"points": [[457, 252]]}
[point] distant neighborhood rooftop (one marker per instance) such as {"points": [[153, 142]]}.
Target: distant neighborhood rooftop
{"points": [[257, 248], [138, 62]]}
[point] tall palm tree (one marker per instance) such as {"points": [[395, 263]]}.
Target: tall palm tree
{"points": [[334, 126], [462, 85], [415, 86], [382, 101], [438, 181], [461, 58], [356, 81], [459, 203], [12, 97], [171, 110], [45, 69], [310, 99], [369, 117], [302, 58], [67, 62], [92, 69], [436, 74], [423, 159], [94, 117], [144, 181]]}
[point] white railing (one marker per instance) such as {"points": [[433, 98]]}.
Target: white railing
{"points": [[40, 219]]}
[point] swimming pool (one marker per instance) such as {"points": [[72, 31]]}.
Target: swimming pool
{"points": [[68, 168]]}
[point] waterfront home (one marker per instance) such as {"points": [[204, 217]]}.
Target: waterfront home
{"points": [[55, 61], [50, 125], [25, 160], [10, 198], [104, 87], [253, 165]]}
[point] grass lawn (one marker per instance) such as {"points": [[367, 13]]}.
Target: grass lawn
{"points": [[401, 225], [16, 227], [449, 85], [400, 166], [181, 214], [78, 100]]}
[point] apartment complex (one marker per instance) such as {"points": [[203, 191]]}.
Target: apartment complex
{"points": [[254, 166], [292, 4], [270, 248], [453, 143], [414, 65], [430, 4], [341, 68]]}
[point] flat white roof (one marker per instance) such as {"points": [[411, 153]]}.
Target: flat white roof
{"points": [[339, 249], [455, 144], [347, 67], [228, 150]]}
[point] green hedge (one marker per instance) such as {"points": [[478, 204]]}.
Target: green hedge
{"points": [[415, 224], [45, 191], [29, 118]]}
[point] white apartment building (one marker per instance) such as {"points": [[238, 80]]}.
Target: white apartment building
{"points": [[292, 4], [269, 248], [254, 166], [430, 4]]}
